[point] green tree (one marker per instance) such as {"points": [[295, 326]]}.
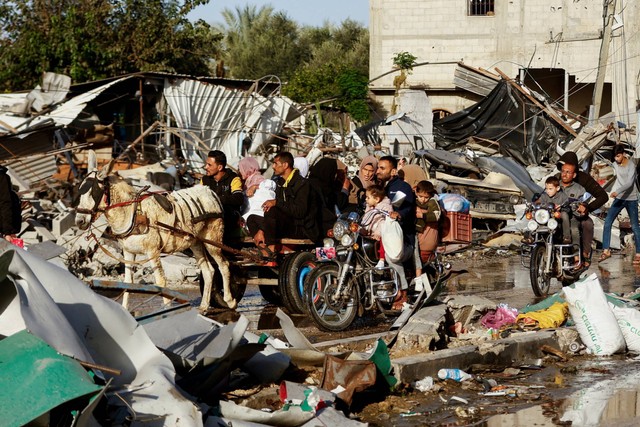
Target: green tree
{"points": [[94, 39], [336, 69], [259, 42]]}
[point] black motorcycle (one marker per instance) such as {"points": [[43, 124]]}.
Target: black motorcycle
{"points": [[544, 253], [346, 282]]}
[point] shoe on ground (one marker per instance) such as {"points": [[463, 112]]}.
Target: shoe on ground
{"points": [[527, 240], [380, 265]]}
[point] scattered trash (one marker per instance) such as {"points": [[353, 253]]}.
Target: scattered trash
{"points": [[425, 384], [453, 374], [551, 317]]}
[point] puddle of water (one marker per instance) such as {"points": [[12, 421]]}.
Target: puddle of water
{"points": [[610, 398]]}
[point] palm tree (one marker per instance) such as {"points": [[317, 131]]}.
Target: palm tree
{"points": [[237, 27]]}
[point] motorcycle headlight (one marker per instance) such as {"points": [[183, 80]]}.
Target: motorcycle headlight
{"points": [[346, 240], [339, 228], [552, 224], [328, 242], [532, 226], [542, 216]]}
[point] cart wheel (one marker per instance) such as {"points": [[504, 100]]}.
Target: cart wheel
{"points": [[238, 285], [292, 287], [271, 294]]}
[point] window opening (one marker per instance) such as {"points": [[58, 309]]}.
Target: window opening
{"points": [[480, 8]]}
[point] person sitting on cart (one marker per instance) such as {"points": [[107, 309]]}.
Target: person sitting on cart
{"points": [[403, 200], [293, 213], [228, 186]]}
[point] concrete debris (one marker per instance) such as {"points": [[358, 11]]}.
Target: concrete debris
{"points": [[468, 308]]}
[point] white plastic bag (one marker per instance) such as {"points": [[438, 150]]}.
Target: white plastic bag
{"points": [[392, 239], [594, 320], [629, 322]]}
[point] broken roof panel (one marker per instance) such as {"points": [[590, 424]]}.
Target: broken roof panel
{"points": [[215, 117], [61, 116]]}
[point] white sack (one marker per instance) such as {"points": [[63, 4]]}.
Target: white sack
{"points": [[595, 321], [629, 322], [392, 239]]}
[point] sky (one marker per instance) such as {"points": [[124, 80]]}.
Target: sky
{"points": [[304, 12]]}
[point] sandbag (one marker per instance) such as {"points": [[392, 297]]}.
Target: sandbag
{"points": [[595, 322], [392, 239], [629, 322]]}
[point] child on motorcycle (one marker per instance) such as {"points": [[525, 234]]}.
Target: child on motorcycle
{"points": [[553, 194], [377, 205]]}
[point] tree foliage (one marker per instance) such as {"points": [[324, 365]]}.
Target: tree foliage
{"points": [[336, 68], [94, 39]]}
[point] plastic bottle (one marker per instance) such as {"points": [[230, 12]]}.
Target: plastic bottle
{"points": [[453, 374]]}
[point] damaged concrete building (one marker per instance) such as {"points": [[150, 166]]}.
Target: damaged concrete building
{"points": [[553, 45]]}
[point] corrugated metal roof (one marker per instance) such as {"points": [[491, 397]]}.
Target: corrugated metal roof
{"points": [[474, 80], [215, 117], [62, 116], [33, 169]]}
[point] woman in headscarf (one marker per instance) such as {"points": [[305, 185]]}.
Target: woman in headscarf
{"points": [[250, 174], [365, 178], [302, 165], [322, 177]]}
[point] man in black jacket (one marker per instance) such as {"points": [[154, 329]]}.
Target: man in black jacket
{"points": [[294, 211], [404, 205], [228, 186], [592, 187]]}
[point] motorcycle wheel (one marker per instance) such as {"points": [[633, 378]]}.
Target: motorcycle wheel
{"points": [[540, 283], [329, 315]]}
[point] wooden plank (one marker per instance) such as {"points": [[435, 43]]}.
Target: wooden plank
{"points": [[139, 288], [286, 241], [553, 115], [260, 282]]}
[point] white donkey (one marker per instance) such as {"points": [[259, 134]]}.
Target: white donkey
{"points": [[133, 217]]}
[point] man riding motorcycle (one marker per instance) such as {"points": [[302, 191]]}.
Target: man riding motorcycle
{"points": [[569, 174]]}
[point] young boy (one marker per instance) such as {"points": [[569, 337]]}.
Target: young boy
{"points": [[372, 220], [553, 194], [427, 217]]}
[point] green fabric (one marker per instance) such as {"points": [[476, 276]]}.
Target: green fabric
{"points": [[380, 358], [34, 378]]}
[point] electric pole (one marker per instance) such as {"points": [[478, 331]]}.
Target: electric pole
{"points": [[609, 10]]}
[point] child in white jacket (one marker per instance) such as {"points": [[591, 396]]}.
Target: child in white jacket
{"points": [[373, 218]]}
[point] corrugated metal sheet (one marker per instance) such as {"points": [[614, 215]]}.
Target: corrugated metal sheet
{"points": [[62, 116], [215, 117], [474, 80], [33, 169]]}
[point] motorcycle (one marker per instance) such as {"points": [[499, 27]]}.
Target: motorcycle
{"points": [[548, 257], [346, 282]]}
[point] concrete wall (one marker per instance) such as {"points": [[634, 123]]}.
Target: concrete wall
{"points": [[561, 34]]}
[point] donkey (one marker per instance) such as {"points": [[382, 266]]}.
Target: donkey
{"points": [[133, 218]]}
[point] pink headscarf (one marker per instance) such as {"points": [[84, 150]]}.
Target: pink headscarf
{"points": [[250, 172], [368, 160]]}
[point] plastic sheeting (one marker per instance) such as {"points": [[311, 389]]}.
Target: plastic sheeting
{"points": [[507, 117]]}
